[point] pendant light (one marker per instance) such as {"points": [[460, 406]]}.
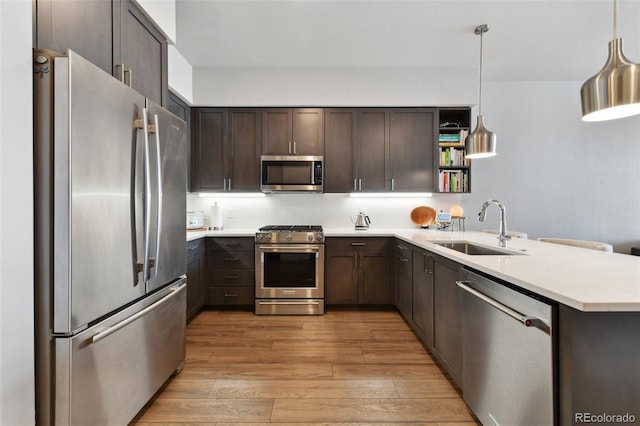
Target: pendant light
{"points": [[615, 91], [481, 142]]}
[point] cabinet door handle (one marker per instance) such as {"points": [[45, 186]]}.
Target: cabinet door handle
{"points": [[121, 73], [358, 244], [289, 147], [231, 259], [355, 184], [124, 73], [393, 184], [231, 295], [359, 184], [403, 259], [229, 184], [231, 277]]}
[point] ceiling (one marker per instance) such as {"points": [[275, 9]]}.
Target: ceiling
{"points": [[527, 40]]}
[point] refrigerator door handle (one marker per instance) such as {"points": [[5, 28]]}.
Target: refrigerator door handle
{"points": [[159, 176], [138, 266], [114, 328], [147, 197]]}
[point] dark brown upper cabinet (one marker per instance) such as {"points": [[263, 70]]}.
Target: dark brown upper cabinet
{"points": [[372, 150], [339, 149], [225, 147], [413, 132], [292, 131], [113, 34]]}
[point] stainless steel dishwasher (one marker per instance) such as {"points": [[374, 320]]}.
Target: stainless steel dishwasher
{"points": [[508, 354]]}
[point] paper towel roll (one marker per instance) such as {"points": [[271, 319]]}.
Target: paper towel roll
{"points": [[216, 216]]}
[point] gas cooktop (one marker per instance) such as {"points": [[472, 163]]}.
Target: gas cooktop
{"points": [[293, 234], [291, 228]]}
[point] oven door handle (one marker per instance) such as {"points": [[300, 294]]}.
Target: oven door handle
{"points": [[292, 248]]}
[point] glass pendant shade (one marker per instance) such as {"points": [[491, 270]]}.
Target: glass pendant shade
{"points": [[481, 142], [614, 92]]}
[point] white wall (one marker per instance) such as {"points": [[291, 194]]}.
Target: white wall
{"points": [[334, 87], [17, 405], [180, 75], [163, 13]]}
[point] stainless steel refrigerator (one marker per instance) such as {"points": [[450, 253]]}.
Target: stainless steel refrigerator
{"points": [[110, 195]]}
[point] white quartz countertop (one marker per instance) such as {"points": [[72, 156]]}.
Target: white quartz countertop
{"points": [[584, 279]]}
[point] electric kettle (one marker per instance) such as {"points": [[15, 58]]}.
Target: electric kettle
{"points": [[362, 221]]}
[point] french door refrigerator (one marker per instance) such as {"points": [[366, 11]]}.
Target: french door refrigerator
{"points": [[110, 261]]}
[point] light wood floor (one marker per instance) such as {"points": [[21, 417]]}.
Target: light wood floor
{"points": [[346, 367]]}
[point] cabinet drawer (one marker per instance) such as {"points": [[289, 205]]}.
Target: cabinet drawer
{"points": [[218, 260], [232, 277], [231, 295], [362, 243], [195, 248], [230, 244]]}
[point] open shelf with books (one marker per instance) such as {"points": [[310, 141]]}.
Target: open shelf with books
{"points": [[454, 169]]}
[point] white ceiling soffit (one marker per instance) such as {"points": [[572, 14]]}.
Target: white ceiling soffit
{"points": [[527, 40]]}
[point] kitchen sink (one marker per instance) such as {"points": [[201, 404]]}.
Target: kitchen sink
{"points": [[474, 249]]}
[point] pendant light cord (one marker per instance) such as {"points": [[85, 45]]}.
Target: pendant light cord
{"points": [[615, 19], [480, 81], [480, 30]]}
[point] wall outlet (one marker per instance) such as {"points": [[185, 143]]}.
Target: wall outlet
{"points": [[230, 213]]}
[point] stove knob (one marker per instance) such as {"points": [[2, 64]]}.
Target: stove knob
{"points": [[258, 236], [269, 237], [289, 237], [310, 237], [319, 237]]}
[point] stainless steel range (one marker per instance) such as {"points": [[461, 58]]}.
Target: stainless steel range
{"points": [[290, 270]]}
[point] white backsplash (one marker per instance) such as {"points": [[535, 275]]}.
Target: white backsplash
{"points": [[328, 210]]}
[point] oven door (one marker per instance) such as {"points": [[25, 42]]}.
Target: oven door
{"points": [[289, 271]]}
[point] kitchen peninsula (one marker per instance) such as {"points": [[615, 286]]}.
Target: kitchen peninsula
{"points": [[597, 296]]}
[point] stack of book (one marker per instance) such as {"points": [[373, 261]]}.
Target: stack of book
{"points": [[453, 157], [453, 139], [454, 181]]}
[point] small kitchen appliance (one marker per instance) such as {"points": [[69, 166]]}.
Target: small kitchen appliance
{"points": [[290, 270], [362, 222], [291, 173]]}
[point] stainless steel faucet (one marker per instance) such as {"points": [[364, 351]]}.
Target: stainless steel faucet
{"points": [[503, 237]]}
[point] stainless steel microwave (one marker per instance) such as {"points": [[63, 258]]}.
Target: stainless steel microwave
{"points": [[291, 173]]}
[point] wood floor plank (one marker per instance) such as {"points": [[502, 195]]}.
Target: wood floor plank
{"points": [[327, 335], [396, 357], [365, 346], [303, 389], [326, 355], [369, 410], [258, 371], [208, 410], [387, 371], [180, 387], [439, 387]]}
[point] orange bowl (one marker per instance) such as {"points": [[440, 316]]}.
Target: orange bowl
{"points": [[423, 215]]}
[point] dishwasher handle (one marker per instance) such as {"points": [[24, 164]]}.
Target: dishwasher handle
{"points": [[527, 321]]}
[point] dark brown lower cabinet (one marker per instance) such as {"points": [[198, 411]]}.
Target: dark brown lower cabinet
{"points": [[403, 275], [196, 294], [357, 271], [447, 318], [422, 290], [231, 271]]}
